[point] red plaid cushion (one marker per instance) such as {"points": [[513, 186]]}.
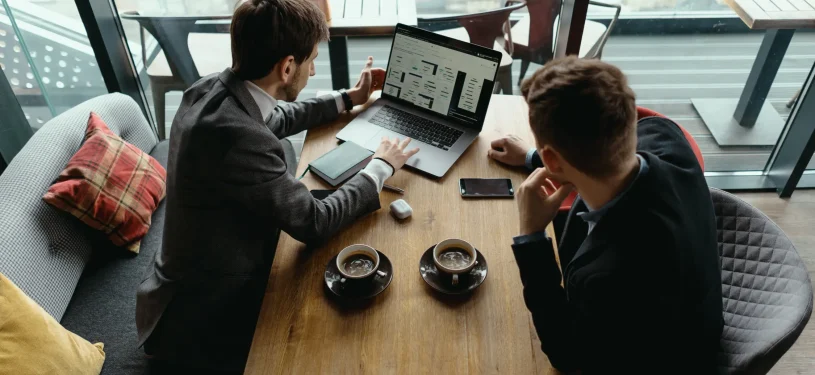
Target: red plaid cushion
{"points": [[110, 185]]}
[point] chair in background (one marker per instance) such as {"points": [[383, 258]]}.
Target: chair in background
{"points": [[181, 69], [534, 41], [766, 290], [488, 29]]}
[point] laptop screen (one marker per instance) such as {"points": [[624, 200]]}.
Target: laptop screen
{"points": [[440, 74]]}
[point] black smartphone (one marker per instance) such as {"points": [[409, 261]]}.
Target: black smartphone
{"points": [[486, 188], [321, 194]]}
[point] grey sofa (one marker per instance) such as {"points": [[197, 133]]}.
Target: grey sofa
{"points": [[72, 271]]}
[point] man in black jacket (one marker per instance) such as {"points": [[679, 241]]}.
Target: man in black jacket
{"points": [[640, 290]]}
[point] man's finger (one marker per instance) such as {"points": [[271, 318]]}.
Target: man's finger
{"points": [[412, 152], [497, 155], [561, 194], [404, 143], [369, 63], [538, 177], [498, 143]]}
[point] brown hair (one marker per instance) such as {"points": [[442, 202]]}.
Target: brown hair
{"points": [[585, 110], [264, 32]]}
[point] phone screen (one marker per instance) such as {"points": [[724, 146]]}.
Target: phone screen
{"points": [[486, 188]]}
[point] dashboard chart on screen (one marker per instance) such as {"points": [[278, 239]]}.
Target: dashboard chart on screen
{"points": [[433, 75]]}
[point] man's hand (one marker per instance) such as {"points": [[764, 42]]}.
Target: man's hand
{"points": [[370, 80], [393, 152], [510, 150], [539, 201]]}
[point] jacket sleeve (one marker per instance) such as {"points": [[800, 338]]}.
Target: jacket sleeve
{"points": [[253, 174], [291, 118], [546, 300], [609, 327]]}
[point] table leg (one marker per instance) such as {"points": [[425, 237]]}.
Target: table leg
{"points": [[730, 121], [338, 55], [762, 75]]}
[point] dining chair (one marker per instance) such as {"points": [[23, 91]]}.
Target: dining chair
{"points": [[766, 290], [194, 48], [534, 41], [488, 29]]}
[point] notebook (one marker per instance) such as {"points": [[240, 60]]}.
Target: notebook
{"points": [[341, 163]]}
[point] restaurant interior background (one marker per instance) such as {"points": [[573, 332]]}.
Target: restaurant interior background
{"points": [[671, 50]]}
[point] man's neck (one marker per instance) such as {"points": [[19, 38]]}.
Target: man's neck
{"points": [[597, 192], [270, 86]]}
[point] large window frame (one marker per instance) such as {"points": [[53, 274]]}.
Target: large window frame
{"points": [[784, 171]]}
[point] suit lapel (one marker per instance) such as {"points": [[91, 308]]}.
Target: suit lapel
{"points": [[239, 90]]}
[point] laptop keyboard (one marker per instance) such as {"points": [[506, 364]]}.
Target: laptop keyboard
{"points": [[417, 127]]}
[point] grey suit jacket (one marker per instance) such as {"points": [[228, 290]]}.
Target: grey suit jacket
{"points": [[228, 194]]}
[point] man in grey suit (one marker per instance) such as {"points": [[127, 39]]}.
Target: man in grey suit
{"points": [[230, 189]]}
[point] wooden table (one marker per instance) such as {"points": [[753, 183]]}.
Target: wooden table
{"points": [[731, 122], [409, 328]]}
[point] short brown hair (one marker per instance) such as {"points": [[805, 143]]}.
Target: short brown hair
{"points": [[585, 110], [263, 32]]}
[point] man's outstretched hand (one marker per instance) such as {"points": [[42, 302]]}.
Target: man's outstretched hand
{"points": [[370, 80], [395, 152], [510, 150]]}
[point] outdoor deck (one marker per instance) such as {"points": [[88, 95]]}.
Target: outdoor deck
{"points": [[664, 71]]}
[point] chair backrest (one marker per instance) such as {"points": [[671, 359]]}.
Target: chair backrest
{"points": [[766, 290], [483, 27], [541, 31]]}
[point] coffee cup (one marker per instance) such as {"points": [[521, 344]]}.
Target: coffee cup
{"points": [[357, 262], [454, 257]]}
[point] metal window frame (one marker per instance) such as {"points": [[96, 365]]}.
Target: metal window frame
{"points": [[14, 128], [107, 38]]}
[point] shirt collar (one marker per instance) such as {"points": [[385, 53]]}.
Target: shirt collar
{"points": [[595, 215], [266, 103]]}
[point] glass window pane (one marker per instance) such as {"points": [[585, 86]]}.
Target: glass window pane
{"points": [[46, 56]]}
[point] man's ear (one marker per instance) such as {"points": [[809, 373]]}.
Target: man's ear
{"points": [[551, 159], [284, 69]]}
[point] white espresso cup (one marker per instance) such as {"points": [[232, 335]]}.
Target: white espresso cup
{"points": [[453, 263], [363, 255]]}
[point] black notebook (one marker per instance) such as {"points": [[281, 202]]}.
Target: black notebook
{"points": [[341, 163]]}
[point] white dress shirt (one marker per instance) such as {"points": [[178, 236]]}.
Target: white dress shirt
{"points": [[377, 170]]}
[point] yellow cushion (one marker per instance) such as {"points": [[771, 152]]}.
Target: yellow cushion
{"points": [[33, 342]]}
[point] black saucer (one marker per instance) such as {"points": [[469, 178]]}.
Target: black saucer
{"points": [[361, 288], [442, 282]]}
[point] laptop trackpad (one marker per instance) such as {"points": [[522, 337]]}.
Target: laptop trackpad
{"points": [[374, 142]]}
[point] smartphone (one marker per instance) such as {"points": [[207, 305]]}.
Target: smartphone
{"points": [[486, 188]]}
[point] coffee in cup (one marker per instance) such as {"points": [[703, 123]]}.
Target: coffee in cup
{"points": [[454, 257], [358, 262]]}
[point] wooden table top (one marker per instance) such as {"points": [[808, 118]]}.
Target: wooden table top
{"points": [[409, 328], [369, 17], [775, 14]]}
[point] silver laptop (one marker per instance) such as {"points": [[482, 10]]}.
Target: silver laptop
{"points": [[437, 90]]}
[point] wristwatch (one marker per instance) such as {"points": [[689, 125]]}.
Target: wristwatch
{"points": [[349, 105]]}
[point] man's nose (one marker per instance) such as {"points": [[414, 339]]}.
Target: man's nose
{"points": [[312, 71]]}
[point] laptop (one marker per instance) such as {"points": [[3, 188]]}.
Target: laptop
{"points": [[436, 91]]}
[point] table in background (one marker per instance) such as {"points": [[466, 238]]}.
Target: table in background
{"points": [[180, 70], [409, 328], [751, 121], [362, 18]]}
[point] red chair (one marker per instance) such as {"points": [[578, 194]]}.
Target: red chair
{"points": [[642, 113]]}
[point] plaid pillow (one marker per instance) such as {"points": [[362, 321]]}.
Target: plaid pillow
{"points": [[110, 185]]}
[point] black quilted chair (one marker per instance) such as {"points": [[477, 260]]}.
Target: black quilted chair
{"points": [[766, 291]]}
